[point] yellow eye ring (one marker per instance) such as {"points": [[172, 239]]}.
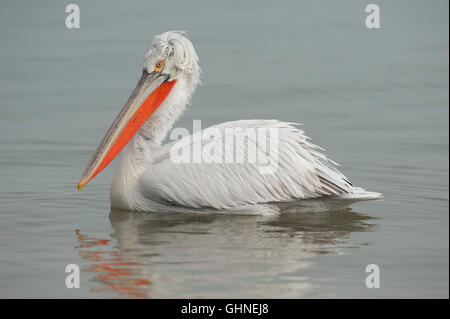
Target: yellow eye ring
{"points": [[159, 65]]}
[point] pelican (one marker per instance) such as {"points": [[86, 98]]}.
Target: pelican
{"points": [[147, 179]]}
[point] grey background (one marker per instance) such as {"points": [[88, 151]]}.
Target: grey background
{"points": [[377, 100]]}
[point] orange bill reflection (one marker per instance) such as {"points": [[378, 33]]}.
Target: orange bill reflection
{"points": [[116, 274]]}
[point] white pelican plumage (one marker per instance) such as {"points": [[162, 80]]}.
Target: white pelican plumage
{"points": [[146, 179]]}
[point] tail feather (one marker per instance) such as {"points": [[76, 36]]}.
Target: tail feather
{"points": [[361, 194]]}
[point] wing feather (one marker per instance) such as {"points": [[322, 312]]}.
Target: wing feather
{"points": [[303, 172]]}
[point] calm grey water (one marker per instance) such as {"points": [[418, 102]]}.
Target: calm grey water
{"points": [[377, 100]]}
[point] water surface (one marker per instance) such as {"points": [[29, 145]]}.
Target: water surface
{"points": [[377, 100]]}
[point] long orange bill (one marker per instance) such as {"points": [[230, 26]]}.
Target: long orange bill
{"points": [[149, 93]]}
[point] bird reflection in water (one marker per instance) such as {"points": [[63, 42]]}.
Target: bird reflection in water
{"points": [[177, 255], [114, 272]]}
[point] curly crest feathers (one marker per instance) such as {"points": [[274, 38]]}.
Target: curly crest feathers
{"points": [[177, 50]]}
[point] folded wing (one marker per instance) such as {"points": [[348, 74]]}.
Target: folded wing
{"points": [[302, 171]]}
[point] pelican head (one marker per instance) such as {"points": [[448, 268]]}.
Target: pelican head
{"points": [[174, 53], [170, 60]]}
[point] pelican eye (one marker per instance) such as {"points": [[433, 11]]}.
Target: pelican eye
{"points": [[159, 65]]}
